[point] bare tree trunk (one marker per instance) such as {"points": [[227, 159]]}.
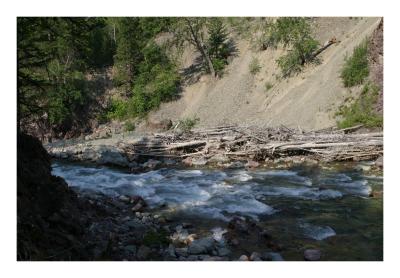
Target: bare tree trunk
{"points": [[114, 37]]}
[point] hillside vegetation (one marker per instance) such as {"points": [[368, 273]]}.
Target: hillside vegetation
{"points": [[77, 73]]}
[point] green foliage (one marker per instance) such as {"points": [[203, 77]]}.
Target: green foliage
{"points": [[156, 239], [217, 44], [187, 124], [254, 66], [157, 80], [118, 109], [355, 69], [129, 126], [53, 55], [362, 111], [293, 33], [268, 86]]}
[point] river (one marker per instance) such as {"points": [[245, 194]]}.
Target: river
{"points": [[324, 207]]}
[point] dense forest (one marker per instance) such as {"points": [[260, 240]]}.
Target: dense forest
{"points": [[56, 55]]}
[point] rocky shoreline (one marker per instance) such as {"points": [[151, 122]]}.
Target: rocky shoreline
{"points": [[57, 223]]}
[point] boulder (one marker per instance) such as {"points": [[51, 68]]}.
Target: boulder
{"points": [[312, 255], [243, 258], [108, 156], [201, 246]]}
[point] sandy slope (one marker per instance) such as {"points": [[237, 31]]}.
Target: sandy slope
{"points": [[308, 100]]}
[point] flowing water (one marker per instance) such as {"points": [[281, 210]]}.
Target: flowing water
{"points": [[303, 207]]}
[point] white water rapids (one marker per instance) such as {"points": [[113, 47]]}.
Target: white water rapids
{"points": [[215, 193]]}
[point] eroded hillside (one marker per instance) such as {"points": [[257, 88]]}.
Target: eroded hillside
{"points": [[309, 100]]}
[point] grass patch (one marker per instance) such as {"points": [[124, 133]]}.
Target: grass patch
{"points": [[187, 124], [355, 69], [268, 86], [129, 126], [254, 66], [362, 111]]}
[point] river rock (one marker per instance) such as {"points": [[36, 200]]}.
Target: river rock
{"points": [[235, 165], [124, 198], [170, 252], [182, 252], [152, 164], [199, 161], [255, 256], [219, 158], [312, 255], [187, 161], [252, 164], [243, 258], [223, 251], [109, 156], [201, 246], [239, 225], [130, 249], [272, 256], [379, 162]]}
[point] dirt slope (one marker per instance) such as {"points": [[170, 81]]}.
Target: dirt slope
{"points": [[308, 100]]}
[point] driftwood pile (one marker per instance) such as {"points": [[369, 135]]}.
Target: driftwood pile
{"points": [[253, 143]]}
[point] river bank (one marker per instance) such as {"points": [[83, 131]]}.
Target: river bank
{"points": [[277, 214], [134, 206]]}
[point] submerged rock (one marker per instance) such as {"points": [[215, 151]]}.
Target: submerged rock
{"points": [[272, 256], [312, 255]]}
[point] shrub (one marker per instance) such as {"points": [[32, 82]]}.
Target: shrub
{"points": [[355, 69], [268, 86], [362, 111], [129, 126], [187, 124], [117, 109], [293, 33], [296, 58], [254, 66]]}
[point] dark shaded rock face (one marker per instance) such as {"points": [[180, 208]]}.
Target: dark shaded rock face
{"points": [[48, 221]]}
